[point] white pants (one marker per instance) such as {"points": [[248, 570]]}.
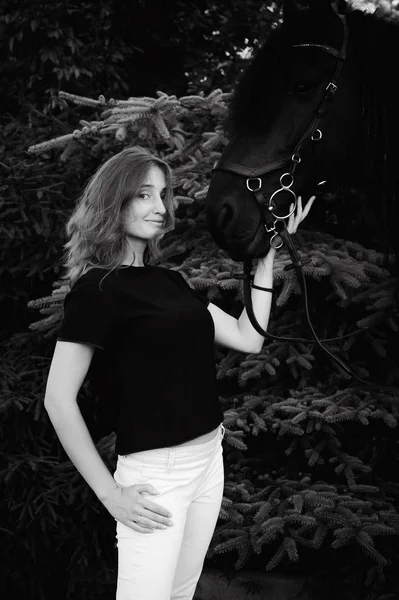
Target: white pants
{"points": [[167, 564]]}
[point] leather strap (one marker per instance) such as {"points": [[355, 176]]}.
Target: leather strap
{"points": [[258, 287]]}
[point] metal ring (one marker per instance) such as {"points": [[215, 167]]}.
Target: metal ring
{"points": [[283, 189], [272, 227], [281, 181], [317, 138], [259, 184], [276, 245], [296, 158]]}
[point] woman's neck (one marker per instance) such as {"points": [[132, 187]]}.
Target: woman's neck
{"points": [[134, 257], [135, 264]]}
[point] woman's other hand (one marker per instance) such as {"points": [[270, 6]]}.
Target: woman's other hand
{"points": [[128, 505]]}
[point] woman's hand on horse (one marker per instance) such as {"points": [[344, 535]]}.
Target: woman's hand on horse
{"points": [[299, 214], [127, 505]]}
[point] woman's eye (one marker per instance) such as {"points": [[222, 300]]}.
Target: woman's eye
{"points": [[144, 195], [303, 88]]}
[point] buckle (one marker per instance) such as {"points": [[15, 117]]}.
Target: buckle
{"points": [[331, 88], [259, 184], [300, 263]]}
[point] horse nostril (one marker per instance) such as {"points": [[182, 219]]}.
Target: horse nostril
{"points": [[225, 216]]}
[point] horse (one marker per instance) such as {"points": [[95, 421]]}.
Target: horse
{"points": [[315, 112]]}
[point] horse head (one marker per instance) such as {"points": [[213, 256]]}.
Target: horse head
{"points": [[315, 105]]}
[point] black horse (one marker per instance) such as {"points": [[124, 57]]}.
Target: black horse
{"points": [[318, 103]]}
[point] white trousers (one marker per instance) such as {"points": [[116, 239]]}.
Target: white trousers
{"points": [[167, 564]]}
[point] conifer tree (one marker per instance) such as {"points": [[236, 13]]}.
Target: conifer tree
{"points": [[310, 455]]}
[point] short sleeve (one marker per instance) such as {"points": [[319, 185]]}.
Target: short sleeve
{"points": [[88, 314], [200, 295]]}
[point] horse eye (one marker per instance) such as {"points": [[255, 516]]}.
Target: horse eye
{"points": [[303, 88]]}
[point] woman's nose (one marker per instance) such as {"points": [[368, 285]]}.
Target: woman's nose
{"points": [[160, 206]]}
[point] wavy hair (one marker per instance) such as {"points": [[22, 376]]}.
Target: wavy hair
{"points": [[95, 228]]}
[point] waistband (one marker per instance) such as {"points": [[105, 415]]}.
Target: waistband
{"points": [[177, 454]]}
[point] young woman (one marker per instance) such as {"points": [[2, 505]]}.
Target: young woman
{"points": [[145, 339]]}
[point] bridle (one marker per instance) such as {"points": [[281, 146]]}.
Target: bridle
{"points": [[271, 218], [313, 133]]}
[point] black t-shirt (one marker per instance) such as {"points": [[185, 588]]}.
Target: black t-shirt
{"points": [[153, 366]]}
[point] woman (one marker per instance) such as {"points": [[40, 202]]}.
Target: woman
{"points": [[146, 341]]}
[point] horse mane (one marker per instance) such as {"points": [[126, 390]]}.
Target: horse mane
{"points": [[374, 39]]}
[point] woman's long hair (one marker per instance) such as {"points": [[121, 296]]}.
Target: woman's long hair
{"points": [[95, 228]]}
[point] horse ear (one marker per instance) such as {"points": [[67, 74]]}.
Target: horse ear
{"points": [[294, 7], [291, 8], [325, 6]]}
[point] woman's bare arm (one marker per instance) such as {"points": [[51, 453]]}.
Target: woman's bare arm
{"points": [[68, 369], [239, 334]]}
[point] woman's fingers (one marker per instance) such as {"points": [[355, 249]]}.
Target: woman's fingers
{"points": [[150, 523], [140, 528], [299, 213], [291, 219], [308, 207], [299, 210], [146, 523], [296, 217]]}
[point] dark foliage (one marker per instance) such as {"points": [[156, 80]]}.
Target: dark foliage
{"points": [[122, 48]]}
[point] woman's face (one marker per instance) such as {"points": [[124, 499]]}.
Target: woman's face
{"points": [[145, 213]]}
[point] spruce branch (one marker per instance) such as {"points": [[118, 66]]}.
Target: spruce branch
{"points": [[244, 554], [277, 558]]}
